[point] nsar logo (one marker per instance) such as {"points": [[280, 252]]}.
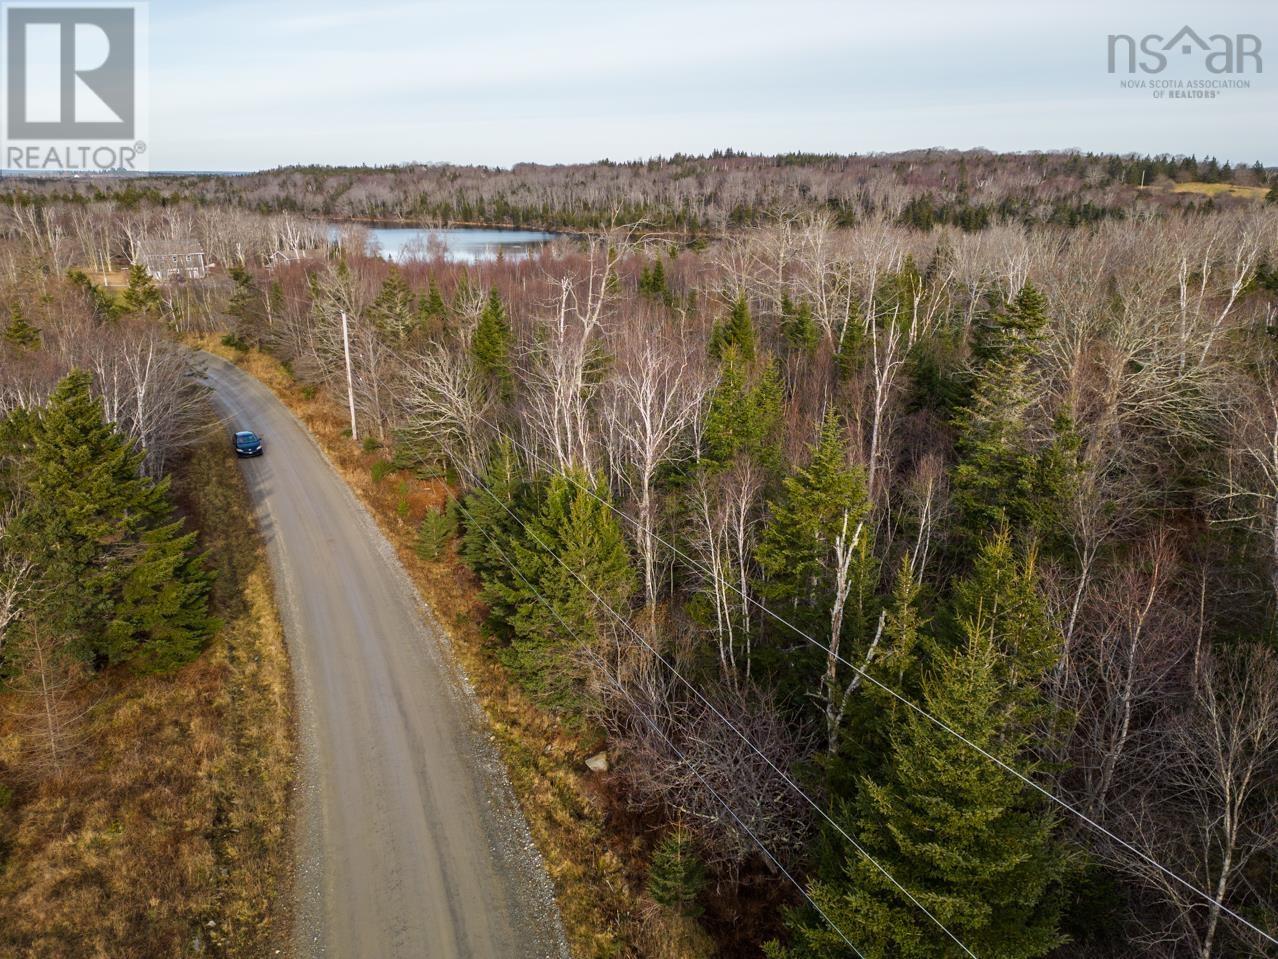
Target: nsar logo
{"points": [[1220, 53]]}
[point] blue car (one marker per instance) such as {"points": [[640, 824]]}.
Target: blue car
{"points": [[248, 444]]}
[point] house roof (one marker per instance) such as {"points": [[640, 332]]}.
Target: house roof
{"points": [[178, 247]]}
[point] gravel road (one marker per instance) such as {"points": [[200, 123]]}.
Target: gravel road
{"points": [[409, 839]]}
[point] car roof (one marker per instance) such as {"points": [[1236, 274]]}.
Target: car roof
{"points": [[243, 433]]}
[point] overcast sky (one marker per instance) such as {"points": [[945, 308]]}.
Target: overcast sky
{"points": [[249, 85]]}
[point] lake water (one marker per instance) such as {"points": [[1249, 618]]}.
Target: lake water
{"points": [[461, 244]]}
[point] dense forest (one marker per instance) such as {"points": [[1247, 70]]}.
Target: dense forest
{"points": [[707, 195], [921, 571]]}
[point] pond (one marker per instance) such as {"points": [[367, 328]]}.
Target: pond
{"points": [[460, 244]]}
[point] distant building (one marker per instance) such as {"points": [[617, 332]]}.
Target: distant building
{"points": [[173, 259], [283, 258]]}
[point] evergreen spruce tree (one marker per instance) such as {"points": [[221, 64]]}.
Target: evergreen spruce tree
{"points": [[161, 619], [115, 570], [744, 418], [660, 290], [796, 549], [431, 307], [735, 333], [797, 325], [572, 557], [676, 875], [393, 310], [973, 846], [850, 351], [895, 295], [865, 746], [489, 529], [434, 531], [1008, 338], [653, 283], [1001, 592], [17, 437], [104, 308], [491, 343], [19, 332], [245, 306], [1007, 474], [141, 296], [274, 300]]}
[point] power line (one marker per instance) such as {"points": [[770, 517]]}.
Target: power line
{"points": [[657, 729], [917, 709], [744, 738]]}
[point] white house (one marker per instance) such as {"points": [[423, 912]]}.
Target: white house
{"points": [[172, 259]]}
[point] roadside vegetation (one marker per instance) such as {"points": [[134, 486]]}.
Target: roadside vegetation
{"points": [[146, 737], [598, 890]]}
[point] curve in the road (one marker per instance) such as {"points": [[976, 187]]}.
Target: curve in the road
{"points": [[410, 842]]}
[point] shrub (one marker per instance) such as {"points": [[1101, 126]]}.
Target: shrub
{"points": [[676, 875], [381, 469], [437, 527]]}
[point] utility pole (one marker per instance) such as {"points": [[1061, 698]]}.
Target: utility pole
{"points": [[350, 383]]}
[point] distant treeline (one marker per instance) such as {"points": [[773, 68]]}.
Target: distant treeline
{"points": [[703, 194]]}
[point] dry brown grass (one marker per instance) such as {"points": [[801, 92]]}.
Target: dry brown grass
{"points": [[1216, 189], [592, 867], [112, 279], [169, 835]]}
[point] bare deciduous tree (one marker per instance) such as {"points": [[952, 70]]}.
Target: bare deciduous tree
{"points": [[727, 511], [44, 678], [690, 758], [657, 391], [564, 349], [448, 404], [1208, 806]]}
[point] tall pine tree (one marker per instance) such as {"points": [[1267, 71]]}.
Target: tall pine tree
{"points": [[972, 845], [797, 325], [393, 310], [246, 306], [744, 418], [872, 712], [141, 296], [1012, 469], [572, 557], [489, 529], [1002, 592], [796, 550], [114, 570], [431, 308], [490, 345], [735, 333], [19, 332]]}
